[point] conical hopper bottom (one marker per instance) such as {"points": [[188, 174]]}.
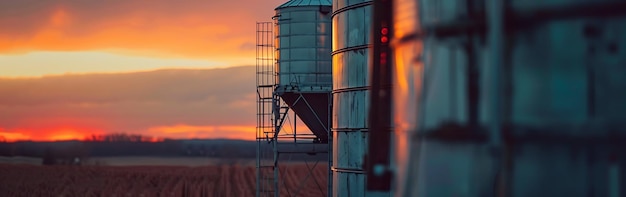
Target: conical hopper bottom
{"points": [[312, 109]]}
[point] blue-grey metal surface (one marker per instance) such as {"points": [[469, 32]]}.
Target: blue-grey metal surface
{"points": [[301, 3], [553, 86], [304, 69], [351, 48], [304, 48]]}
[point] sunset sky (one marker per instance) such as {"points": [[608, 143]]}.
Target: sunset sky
{"points": [[163, 68]]}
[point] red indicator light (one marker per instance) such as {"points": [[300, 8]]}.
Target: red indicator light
{"points": [[384, 31], [384, 39]]}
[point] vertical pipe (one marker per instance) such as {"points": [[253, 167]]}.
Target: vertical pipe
{"points": [[276, 112], [258, 145], [330, 146], [276, 107], [472, 72], [452, 75], [495, 14], [276, 168], [258, 161]]}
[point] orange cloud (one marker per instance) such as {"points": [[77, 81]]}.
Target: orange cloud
{"points": [[59, 18], [216, 30]]}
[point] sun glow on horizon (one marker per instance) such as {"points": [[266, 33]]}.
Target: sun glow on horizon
{"points": [[46, 63], [205, 131], [153, 134], [12, 137], [47, 134], [65, 134]]}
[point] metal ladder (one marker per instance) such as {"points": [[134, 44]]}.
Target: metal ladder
{"points": [[266, 136]]}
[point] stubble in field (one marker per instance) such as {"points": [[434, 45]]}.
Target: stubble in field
{"points": [[148, 181]]}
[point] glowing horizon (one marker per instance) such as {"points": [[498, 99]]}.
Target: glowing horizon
{"points": [[169, 103], [71, 69], [176, 132], [39, 64]]}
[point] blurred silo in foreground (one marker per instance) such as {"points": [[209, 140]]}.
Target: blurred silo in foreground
{"points": [[510, 98], [294, 73]]}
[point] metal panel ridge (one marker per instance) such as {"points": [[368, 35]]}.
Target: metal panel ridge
{"points": [[299, 3]]}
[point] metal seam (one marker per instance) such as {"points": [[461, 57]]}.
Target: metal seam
{"points": [[352, 48], [349, 129], [350, 170], [352, 89], [343, 9]]}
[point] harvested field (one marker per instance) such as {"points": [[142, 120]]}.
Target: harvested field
{"points": [[218, 180]]}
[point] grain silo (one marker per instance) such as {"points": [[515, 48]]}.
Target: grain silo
{"points": [[294, 73], [304, 66], [510, 98], [351, 59]]}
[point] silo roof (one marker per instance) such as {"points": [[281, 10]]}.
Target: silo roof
{"points": [[299, 3]]}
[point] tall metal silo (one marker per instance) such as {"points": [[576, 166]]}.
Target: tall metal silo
{"points": [[295, 76], [304, 64], [510, 98], [351, 50]]}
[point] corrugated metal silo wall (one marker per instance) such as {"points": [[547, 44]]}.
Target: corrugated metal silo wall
{"points": [[304, 45], [351, 39], [304, 61], [561, 98]]}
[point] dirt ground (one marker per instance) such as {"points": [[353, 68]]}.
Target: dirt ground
{"points": [[213, 180]]}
